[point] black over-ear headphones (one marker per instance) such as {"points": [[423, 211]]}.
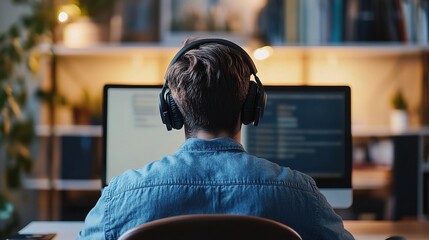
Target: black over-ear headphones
{"points": [[253, 108]]}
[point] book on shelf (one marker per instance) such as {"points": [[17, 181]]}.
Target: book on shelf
{"points": [[336, 23], [408, 13], [422, 23], [271, 24], [321, 22], [426, 194], [291, 21], [374, 21]]}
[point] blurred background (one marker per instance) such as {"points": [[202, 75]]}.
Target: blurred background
{"points": [[55, 57]]}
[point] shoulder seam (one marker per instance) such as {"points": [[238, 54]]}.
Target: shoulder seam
{"points": [[212, 184]]}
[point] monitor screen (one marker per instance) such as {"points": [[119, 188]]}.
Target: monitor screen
{"points": [[133, 132], [306, 128]]}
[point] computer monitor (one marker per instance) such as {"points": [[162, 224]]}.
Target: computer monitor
{"points": [[308, 128], [133, 133], [305, 128]]}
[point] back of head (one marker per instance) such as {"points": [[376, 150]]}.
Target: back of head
{"points": [[209, 85]]}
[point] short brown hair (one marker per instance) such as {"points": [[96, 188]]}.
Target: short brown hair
{"points": [[209, 84]]}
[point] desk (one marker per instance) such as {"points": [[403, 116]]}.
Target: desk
{"points": [[378, 230], [361, 230], [64, 230]]}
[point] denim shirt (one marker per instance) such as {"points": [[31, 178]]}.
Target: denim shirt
{"points": [[213, 176]]}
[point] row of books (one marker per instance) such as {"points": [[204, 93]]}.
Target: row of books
{"points": [[318, 22]]}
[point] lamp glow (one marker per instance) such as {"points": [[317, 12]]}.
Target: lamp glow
{"points": [[263, 53], [63, 17], [68, 12]]}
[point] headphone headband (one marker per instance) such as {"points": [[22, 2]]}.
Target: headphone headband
{"points": [[198, 43]]}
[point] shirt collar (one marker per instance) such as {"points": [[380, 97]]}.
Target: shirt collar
{"points": [[215, 144]]}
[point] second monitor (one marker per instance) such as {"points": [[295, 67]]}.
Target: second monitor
{"points": [[308, 128]]}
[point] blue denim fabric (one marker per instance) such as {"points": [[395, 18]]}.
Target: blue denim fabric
{"points": [[213, 176]]}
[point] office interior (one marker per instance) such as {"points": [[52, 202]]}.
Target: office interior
{"points": [[378, 48]]}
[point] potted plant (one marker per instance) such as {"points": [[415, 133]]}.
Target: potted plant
{"points": [[18, 62], [399, 114]]}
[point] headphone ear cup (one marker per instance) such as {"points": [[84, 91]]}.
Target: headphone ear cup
{"points": [[261, 102], [175, 115], [248, 111]]}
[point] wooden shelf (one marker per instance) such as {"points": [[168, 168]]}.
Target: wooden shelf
{"points": [[77, 184], [36, 183], [114, 49], [62, 184], [375, 177], [380, 131], [70, 130], [353, 49]]}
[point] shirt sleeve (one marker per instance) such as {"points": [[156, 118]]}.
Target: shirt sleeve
{"points": [[329, 225], [96, 220]]}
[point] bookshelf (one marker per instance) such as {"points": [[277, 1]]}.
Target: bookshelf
{"points": [[306, 51]]}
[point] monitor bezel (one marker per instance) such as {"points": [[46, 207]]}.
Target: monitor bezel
{"points": [[344, 182], [106, 89]]}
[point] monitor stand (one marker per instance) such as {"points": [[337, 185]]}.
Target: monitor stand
{"points": [[339, 198]]}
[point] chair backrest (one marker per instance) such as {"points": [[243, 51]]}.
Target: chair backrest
{"points": [[212, 226]]}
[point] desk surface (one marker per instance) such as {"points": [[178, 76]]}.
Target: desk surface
{"points": [[361, 230]]}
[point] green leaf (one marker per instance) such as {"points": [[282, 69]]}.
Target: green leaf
{"points": [[26, 21], [6, 67], [399, 102], [38, 26], [22, 98], [6, 208], [13, 176], [3, 69], [23, 131], [3, 202], [14, 54], [3, 98], [23, 157], [13, 31], [30, 42]]}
